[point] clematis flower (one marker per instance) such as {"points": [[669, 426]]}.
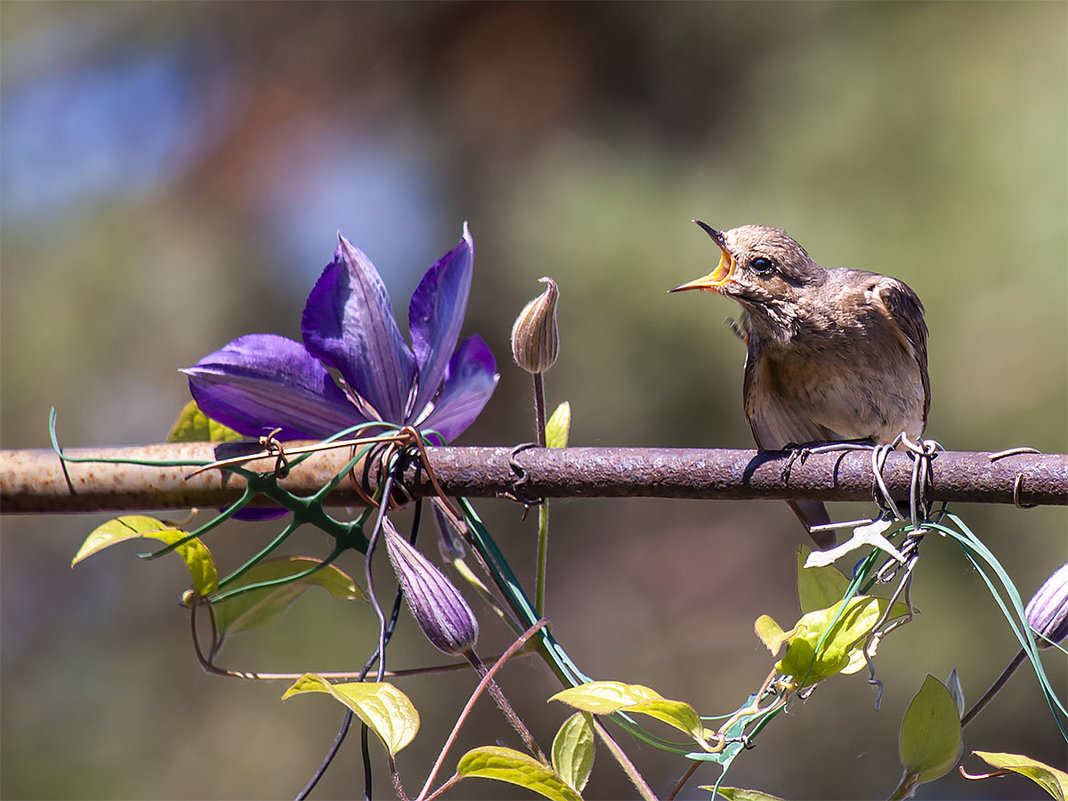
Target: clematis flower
{"points": [[260, 382]]}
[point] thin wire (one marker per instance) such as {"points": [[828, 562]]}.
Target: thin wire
{"points": [[329, 758], [386, 634]]}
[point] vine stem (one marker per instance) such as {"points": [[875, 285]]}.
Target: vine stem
{"points": [[506, 708], [643, 788], [539, 407], [543, 558], [543, 509], [690, 771], [995, 688], [486, 679], [328, 760]]}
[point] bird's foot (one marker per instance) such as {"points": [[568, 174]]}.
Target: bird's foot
{"points": [[803, 450], [820, 446]]}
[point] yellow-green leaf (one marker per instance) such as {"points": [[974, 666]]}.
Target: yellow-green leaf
{"points": [[818, 587], [260, 607], [738, 794], [116, 530], [606, 697], [195, 553], [930, 743], [559, 426], [515, 767], [771, 633], [1052, 780], [840, 627], [857, 660], [675, 713], [385, 709], [193, 425], [573, 748]]}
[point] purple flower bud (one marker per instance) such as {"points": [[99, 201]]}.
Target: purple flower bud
{"points": [[535, 341], [437, 606], [450, 545], [1047, 611]]}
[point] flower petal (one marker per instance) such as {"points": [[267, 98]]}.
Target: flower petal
{"points": [[348, 324], [435, 316], [470, 379], [264, 381], [255, 514]]}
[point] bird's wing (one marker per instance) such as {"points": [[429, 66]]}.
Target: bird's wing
{"points": [[774, 423], [903, 307]]}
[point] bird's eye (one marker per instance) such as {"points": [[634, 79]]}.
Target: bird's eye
{"points": [[762, 265]]}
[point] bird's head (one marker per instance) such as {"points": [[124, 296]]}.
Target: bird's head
{"points": [[762, 268]]}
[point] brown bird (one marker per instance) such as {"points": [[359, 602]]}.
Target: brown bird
{"points": [[833, 354]]}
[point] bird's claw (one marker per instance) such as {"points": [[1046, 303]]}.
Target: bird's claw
{"points": [[801, 451]]}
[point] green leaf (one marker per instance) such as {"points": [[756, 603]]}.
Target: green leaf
{"points": [[840, 627], [818, 587], [193, 425], [738, 794], [559, 427], [573, 749], [857, 661], [606, 697], [771, 633], [385, 709], [259, 607], [1052, 780], [195, 553], [514, 767], [116, 530], [930, 743], [678, 714]]}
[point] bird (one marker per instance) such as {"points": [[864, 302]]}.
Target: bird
{"points": [[832, 354]]}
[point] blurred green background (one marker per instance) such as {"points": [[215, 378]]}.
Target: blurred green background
{"points": [[173, 175]]}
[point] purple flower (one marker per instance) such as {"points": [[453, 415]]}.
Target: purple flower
{"points": [[263, 381]]}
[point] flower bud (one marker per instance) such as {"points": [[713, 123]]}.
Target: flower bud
{"points": [[435, 603], [450, 544], [1047, 611], [535, 341]]}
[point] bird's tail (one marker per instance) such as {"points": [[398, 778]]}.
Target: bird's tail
{"points": [[814, 513]]}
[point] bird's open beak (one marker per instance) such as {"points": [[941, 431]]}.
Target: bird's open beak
{"points": [[719, 276]]}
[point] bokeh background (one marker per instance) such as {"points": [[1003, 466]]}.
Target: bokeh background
{"points": [[174, 175]]}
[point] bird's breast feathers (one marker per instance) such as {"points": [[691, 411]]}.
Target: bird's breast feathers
{"points": [[846, 379]]}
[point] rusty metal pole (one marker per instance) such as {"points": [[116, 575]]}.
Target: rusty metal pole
{"points": [[35, 482]]}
